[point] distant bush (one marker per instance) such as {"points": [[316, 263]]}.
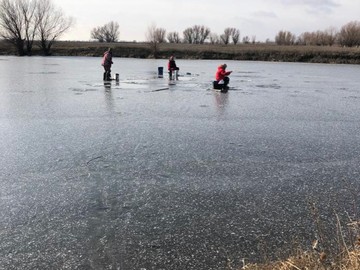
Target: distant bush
{"points": [[285, 38], [318, 38], [350, 34]]}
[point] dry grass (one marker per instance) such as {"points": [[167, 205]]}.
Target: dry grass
{"points": [[312, 261], [347, 257], [254, 52]]}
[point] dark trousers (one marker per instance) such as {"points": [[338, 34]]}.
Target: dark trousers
{"points": [[171, 71], [221, 86], [107, 73]]}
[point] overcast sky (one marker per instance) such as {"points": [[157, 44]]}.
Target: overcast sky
{"points": [[260, 18]]}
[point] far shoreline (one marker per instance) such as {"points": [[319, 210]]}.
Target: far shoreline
{"points": [[248, 52]]}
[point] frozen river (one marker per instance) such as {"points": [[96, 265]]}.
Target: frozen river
{"points": [[146, 175]]}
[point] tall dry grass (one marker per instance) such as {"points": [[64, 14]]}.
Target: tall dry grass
{"points": [[312, 261], [319, 256], [253, 52]]}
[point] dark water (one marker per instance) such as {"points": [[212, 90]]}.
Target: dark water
{"points": [[146, 175]]}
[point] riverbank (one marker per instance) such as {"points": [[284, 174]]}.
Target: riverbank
{"points": [[249, 52]]}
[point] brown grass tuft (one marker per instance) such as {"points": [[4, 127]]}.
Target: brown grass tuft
{"points": [[311, 261]]}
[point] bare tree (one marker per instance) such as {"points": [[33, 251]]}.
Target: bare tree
{"points": [[107, 33], [349, 34], [305, 38], [173, 37], [225, 37], [24, 20], [285, 38], [52, 23], [253, 39], [188, 35], [214, 38], [322, 38], [112, 32], [318, 38], [28, 9], [153, 39], [160, 34], [235, 36], [196, 34], [97, 33], [246, 40], [230, 32], [204, 33], [18, 26], [331, 34]]}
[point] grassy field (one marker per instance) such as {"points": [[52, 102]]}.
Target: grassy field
{"points": [[254, 52]]}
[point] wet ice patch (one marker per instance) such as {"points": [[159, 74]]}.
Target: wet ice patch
{"points": [[269, 86], [22, 92], [352, 97], [44, 72], [135, 84], [82, 90], [245, 74]]}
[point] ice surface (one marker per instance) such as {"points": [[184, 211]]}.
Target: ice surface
{"points": [[147, 175]]}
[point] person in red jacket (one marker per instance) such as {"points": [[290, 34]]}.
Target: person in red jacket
{"points": [[172, 67], [221, 78], [106, 63]]}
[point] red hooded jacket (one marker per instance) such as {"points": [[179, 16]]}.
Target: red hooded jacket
{"points": [[107, 59], [221, 73]]}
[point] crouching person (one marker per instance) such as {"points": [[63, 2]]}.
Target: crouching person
{"points": [[221, 78]]}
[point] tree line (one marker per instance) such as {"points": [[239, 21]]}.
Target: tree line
{"points": [[26, 22], [197, 34], [349, 36]]}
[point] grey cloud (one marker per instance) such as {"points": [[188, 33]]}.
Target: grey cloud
{"points": [[314, 5]]}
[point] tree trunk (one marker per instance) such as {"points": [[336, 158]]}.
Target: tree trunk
{"points": [[45, 47], [29, 46], [19, 43]]}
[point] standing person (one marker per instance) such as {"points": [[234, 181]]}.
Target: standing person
{"points": [[221, 78], [106, 63], [172, 67]]}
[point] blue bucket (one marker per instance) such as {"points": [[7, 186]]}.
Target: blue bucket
{"points": [[160, 72]]}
